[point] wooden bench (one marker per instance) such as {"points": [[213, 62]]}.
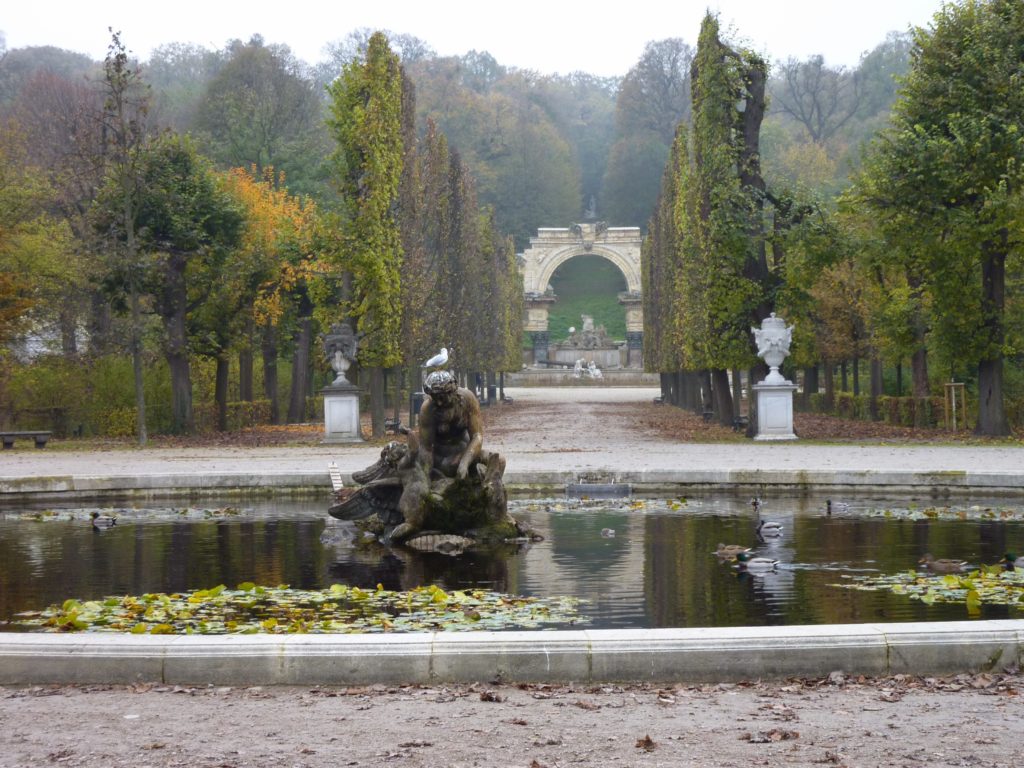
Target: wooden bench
{"points": [[40, 436]]}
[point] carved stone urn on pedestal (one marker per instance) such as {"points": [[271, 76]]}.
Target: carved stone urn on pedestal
{"points": [[775, 393]]}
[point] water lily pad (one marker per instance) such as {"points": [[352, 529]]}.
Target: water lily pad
{"points": [[280, 610]]}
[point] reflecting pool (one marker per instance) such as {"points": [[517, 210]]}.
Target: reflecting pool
{"points": [[636, 562]]}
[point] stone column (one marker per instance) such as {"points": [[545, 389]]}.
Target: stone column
{"points": [[635, 347], [541, 342], [536, 323], [633, 303]]}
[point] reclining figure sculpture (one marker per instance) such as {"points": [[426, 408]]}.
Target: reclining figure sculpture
{"points": [[442, 480]]}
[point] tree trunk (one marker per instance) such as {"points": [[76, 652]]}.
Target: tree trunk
{"points": [[268, 347], [220, 391], [300, 371], [899, 379], [174, 311], [136, 343], [919, 372], [810, 384], [377, 401], [876, 385], [68, 330], [991, 415], [723, 396], [707, 403], [856, 375], [830, 387], [844, 378], [665, 379], [737, 392], [245, 363]]}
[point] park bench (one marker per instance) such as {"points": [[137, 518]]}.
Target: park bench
{"points": [[40, 436]]}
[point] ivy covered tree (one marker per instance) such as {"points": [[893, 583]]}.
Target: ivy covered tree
{"points": [[366, 120], [949, 173]]}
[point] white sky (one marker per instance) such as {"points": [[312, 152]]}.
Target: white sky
{"points": [[550, 36]]}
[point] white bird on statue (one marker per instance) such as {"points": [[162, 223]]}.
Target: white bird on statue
{"points": [[441, 358]]}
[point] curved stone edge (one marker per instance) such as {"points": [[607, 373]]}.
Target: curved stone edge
{"points": [[651, 480], [583, 656]]}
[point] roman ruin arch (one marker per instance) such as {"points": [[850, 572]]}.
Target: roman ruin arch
{"points": [[553, 247]]}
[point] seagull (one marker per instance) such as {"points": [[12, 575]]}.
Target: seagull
{"points": [[438, 360]]}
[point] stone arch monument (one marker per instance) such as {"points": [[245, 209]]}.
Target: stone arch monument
{"points": [[553, 247]]}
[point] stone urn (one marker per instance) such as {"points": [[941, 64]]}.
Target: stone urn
{"points": [[774, 394], [773, 339]]}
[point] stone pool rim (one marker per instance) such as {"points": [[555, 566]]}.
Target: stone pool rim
{"points": [[934, 483], [576, 656], [583, 656]]}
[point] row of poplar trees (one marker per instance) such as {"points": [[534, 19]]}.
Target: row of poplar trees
{"points": [[705, 267], [419, 264], [928, 238]]}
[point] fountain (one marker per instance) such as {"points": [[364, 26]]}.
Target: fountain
{"points": [[441, 490]]}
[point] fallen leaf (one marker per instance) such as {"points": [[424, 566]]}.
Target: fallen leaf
{"points": [[646, 743]]}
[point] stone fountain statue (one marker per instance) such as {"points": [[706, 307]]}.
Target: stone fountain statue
{"points": [[442, 482]]}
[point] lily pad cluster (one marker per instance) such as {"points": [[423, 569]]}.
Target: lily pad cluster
{"points": [[991, 584], [252, 609], [948, 513]]}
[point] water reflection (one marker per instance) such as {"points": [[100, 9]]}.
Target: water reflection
{"points": [[657, 570]]}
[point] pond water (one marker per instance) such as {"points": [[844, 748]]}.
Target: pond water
{"points": [[657, 570]]}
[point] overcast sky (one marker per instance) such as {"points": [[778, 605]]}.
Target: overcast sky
{"points": [[549, 36]]}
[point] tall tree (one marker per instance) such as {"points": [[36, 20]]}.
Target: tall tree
{"points": [[123, 125], [950, 169], [259, 110], [821, 98], [366, 119]]}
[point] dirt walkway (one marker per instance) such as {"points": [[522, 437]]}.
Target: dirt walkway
{"points": [[968, 721]]}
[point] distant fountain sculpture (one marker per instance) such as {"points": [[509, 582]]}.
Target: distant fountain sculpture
{"points": [[441, 484], [775, 393]]}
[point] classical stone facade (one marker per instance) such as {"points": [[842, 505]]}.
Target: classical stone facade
{"points": [[553, 247]]}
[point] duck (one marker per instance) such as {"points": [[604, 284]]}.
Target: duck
{"points": [[746, 562], [102, 522], [942, 565], [608, 533], [836, 506], [766, 529], [730, 551], [1013, 561]]}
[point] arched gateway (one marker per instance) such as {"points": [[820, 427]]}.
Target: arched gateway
{"points": [[553, 247]]}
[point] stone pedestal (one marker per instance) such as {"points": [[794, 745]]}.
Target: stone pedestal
{"points": [[341, 413], [775, 411]]}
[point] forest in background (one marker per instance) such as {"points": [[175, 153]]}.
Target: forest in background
{"points": [[541, 150]]}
